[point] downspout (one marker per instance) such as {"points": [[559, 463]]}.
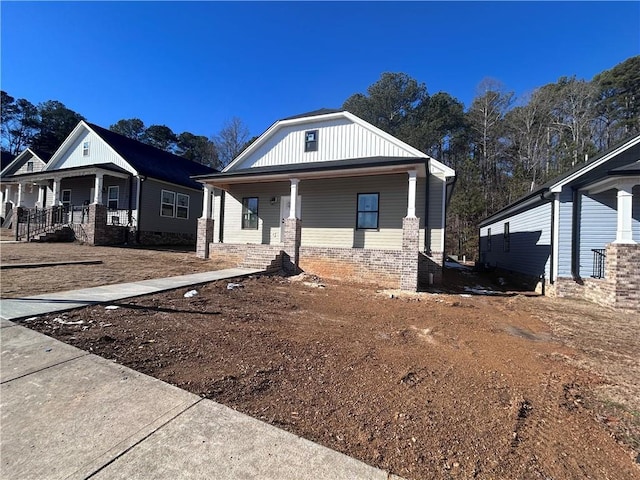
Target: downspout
{"points": [[575, 234], [221, 226], [129, 213], [451, 183]]}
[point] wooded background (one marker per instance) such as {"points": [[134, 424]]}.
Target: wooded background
{"points": [[501, 146]]}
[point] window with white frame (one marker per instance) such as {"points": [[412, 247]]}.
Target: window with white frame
{"points": [[66, 197], [311, 141], [85, 149], [167, 204], [29, 166], [182, 206], [250, 213], [112, 197], [174, 204]]}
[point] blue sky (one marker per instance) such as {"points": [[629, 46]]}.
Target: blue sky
{"points": [[193, 65]]}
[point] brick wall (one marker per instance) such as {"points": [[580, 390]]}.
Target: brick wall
{"points": [[619, 289]]}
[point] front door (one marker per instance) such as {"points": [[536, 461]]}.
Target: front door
{"points": [[285, 207]]}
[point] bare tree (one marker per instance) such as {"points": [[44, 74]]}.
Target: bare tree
{"points": [[231, 140]]}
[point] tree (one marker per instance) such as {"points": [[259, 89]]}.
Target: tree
{"points": [[618, 101], [160, 136], [197, 148], [231, 140], [56, 123], [19, 122], [390, 102], [132, 128]]}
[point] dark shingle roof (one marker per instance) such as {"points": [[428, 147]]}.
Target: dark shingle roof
{"points": [[153, 162], [321, 111]]}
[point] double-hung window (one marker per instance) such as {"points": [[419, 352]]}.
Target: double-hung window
{"points": [[311, 141], [85, 149], [368, 210], [506, 238], [250, 213], [182, 206], [112, 197], [168, 204]]}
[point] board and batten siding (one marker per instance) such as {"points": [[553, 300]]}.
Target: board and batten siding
{"points": [[338, 139], [529, 242], [328, 212], [150, 201], [99, 153]]}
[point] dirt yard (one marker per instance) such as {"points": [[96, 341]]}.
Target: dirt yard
{"points": [[431, 385], [119, 264]]}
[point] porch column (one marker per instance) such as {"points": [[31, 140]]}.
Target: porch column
{"points": [[411, 201], [40, 195], [624, 234], [97, 191], [56, 193], [294, 197], [205, 224], [20, 189]]}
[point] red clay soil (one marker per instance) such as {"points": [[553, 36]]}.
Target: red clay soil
{"points": [[425, 386]]}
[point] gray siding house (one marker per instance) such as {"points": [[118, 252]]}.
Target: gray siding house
{"points": [[328, 193], [579, 233], [131, 191]]}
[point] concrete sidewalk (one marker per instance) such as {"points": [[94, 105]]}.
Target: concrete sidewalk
{"points": [[68, 414], [25, 307]]}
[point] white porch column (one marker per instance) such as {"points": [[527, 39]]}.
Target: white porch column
{"points": [[20, 189], [411, 200], [56, 192], [294, 197], [8, 191], [624, 233], [97, 193], [207, 202], [40, 195]]}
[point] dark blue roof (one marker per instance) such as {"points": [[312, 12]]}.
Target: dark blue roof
{"points": [[153, 162]]}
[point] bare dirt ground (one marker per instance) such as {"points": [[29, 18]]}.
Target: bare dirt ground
{"points": [[119, 264], [427, 385]]}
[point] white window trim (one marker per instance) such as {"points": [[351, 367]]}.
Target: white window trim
{"points": [[62, 200], [117, 199], [162, 203], [178, 195], [85, 148]]}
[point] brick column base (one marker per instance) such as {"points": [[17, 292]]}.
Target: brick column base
{"points": [[623, 272], [96, 226], [205, 237], [410, 250], [292, 236]]}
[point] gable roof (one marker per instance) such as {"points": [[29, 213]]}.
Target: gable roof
{"points": [[17, 159], [146, 160], [555, 185], [329, 114]]}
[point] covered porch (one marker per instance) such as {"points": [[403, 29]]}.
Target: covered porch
{"points": [[365, 220]]}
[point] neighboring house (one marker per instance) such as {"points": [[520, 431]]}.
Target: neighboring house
{"points": [[578, 233], [127, 190], [28, 161], [330, 194]]}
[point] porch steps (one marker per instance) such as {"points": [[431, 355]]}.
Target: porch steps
{"points": [[255, 260], [64, 234]]}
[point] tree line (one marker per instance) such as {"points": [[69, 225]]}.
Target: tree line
{"points": [[501, 146], [44, 127]]}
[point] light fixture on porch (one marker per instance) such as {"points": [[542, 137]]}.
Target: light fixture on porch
{"points": [[273, 200]]}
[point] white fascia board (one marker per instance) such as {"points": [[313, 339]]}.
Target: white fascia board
{"points": [[71, 138], [16, 160], [611, 182], [557, 187]]}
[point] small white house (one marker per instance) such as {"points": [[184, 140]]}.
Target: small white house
{"points": [[328, 193]]}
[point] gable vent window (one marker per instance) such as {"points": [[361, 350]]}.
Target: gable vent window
{"points": [[311, 141], [29, 166], [85, 149]]}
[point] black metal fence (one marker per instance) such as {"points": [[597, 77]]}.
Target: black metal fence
{"points": [[599, 261]]}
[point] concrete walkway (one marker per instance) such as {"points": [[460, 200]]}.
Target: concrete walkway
{"points": [[25, 307], [68, 414]]}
